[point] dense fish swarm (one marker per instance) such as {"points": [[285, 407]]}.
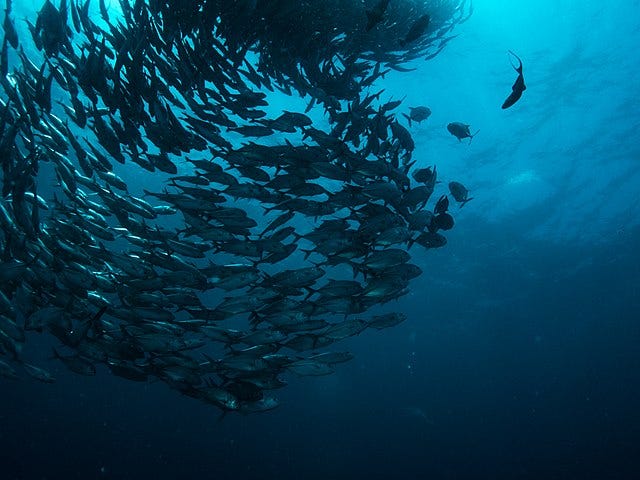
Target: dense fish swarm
{"points": [[241, 260]]}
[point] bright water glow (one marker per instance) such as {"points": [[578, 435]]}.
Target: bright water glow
{"points": [[571, 141]]}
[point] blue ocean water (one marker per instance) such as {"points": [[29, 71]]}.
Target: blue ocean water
{"points": [[519, 358]]}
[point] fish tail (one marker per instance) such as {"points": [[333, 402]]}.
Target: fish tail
{"points": [[518, 68], [471, 136], [355, 267], [312, 102], [408, 118]]}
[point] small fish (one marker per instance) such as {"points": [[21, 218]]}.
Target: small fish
{"points": [[442, 221], [376, 14], [518, 86], [310, 368], [417, 29], [103, 11], [460, 131], [253, 130], [442, 205], [76, 364], [11, 35], [460, 193], [7, 371], [387, 320], [417, 114], [430, 240], [38, 373], [4, 59], [425, 175]]}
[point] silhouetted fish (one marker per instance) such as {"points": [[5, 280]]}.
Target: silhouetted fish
{"points": [[159, 88], [518, 86], [460, 193], [460, 131], [376, 14], [417, 114], [417, 29]]}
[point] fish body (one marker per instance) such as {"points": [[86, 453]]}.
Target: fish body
{"points": [[460, 193], [461, 131], [376, 14], [418, 28], [417, 114], [518, 87]]}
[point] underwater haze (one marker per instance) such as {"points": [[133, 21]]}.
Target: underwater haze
{"points": [[520, 354]]}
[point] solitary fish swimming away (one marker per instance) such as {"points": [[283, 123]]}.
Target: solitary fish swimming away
{"points": [[518, 86], [460, 131]]}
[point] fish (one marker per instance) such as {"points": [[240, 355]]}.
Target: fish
{"points": [[460, 193], [7, 371], [38, 373], [10, 33], [253, 130], [430, 240], [388, 320], [4, 59], [376, 14], [441, 221], [417, 114], [263, 405], [418, 28], [9, 327], [461, 131], [518, 87], [76, 364], [332, 358], [442, 205], [176, 103], [426, 175], [310, 368]]}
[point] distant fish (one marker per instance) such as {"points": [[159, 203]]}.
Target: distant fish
{"points": [[76, 364], [153, 321], [10, 33], [7, 371], [441, 221], [417, 29], [442, 205], [460, 193], [417, 114], [460, 131], [425, 175], [38, 373], [4, 60], [376, 14], [518, 86]]}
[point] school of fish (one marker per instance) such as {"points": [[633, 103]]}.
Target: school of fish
{"points": [[249, 243]]}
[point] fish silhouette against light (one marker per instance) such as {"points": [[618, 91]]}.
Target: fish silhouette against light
{"points": [[518, 86]]}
